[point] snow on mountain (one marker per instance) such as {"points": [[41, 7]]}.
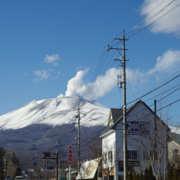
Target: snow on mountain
{"points": [[175, 129], [56, 111]]}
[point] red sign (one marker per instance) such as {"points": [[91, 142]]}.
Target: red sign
{"points": [[70, 155]]}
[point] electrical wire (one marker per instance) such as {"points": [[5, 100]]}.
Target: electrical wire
{"points": [[142, 18], [167, 82], [134, 33]]}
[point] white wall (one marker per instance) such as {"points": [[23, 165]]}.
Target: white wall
{"points": [[108, 144], [171, 147]]}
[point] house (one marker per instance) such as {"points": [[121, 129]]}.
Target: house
{"points": [[174, 150], [146, 141]]}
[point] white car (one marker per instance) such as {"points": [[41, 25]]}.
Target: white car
{"points": [[19, 178]]}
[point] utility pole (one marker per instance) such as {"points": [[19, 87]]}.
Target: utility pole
{"points": [[123, 60], [57, 158], [59, 152], [79, 150], [98, 165]]}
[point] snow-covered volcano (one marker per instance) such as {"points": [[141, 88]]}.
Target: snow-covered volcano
{"points": [[56, 112]]}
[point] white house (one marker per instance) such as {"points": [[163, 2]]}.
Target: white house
{"points": [[146, 141], [174, 150]]}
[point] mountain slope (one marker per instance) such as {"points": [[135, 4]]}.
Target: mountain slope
{"points": [[175, 130], [55, 112]]}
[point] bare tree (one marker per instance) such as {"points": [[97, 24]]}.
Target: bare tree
{"points": [[156, 152]]}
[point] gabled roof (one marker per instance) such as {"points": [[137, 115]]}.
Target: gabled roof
{"points": [[117, 115]]}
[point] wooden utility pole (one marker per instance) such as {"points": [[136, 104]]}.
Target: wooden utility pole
{"points": [[59, 153], [124, 107], [79, 150], [122, 83], [78, 137]]}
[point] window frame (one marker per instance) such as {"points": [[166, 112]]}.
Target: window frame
{"points": [[110, 156], [130, 154]]}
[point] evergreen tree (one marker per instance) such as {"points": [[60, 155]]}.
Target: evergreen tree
{"points": [[146, 174], [138, 177], [175, 175], [18, 171], [141, 176], [130, 176], [169, 174], [2, 154], [15, 159], [134, 175], [150, 173]]}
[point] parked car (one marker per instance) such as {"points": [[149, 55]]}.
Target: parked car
{"points": [[19, 178]]}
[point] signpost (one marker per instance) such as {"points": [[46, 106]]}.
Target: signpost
{"points": [[47, 155], [70, 160]]}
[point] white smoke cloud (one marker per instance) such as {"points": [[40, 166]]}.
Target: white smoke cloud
{"points": [[76, 85], [105, 83], [101, 86], [154, 9], [92, 90]]}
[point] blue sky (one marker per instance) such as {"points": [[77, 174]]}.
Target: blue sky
{"points": [[52, 47]]}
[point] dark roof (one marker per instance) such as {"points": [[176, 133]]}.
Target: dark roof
{"points": [[117, 115]]}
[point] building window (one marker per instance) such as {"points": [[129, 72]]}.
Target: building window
{"points": [[120, 166], [132, 155], [175, 154], [110, 156], [105, 157]]}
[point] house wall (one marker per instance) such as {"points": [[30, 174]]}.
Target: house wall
{"points": [[172, 146], [135, 142], [141, 143], [108, 145]]}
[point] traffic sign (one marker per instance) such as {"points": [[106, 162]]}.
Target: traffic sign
{"points": [[70, 155]]}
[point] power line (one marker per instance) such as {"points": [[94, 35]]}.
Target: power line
{"points": [[155, 89], [132, 34], [162, 92], [154, 15], [169, 105], [153, 104], [142, 18]]}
